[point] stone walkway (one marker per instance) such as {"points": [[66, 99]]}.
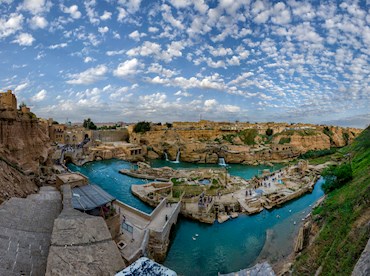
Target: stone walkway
{"points": [[25, 232]]}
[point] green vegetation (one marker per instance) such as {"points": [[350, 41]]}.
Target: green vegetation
{"points": [[247, 136], [176, 181], [269, 132], [88, 124], [336, 177], [109, 127], [329, 133], [346, 137], [317, 153], [343, 216], [168, 125], [142, 127], [284, 140]]}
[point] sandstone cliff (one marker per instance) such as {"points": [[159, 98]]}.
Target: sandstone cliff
{"points": [[24, 144], [245, 143]]}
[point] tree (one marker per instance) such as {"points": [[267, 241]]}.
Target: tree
{"points": [[336, 177], [142, 127], [168, 125], [89, 124], [269, 131]]}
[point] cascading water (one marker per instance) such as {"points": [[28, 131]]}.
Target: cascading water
{"points": [[166, 156], [221, 161], [177, 157]]}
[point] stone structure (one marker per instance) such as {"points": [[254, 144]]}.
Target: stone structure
{"points": [[57, 133], [8, 100], [81, 244], [146, 233], [76, 135], [72, 179], [26, 225]]}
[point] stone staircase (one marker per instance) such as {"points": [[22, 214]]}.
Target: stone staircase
{"points": [[26, 225]]}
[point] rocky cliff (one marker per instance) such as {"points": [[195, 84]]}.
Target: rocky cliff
{"points": [[24, 145], [246, 143]]}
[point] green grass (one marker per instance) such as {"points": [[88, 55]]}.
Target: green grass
{"points": [[284, 140], [342, 219]]}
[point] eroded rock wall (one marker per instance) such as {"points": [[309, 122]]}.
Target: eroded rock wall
{"points": [[208, 145], [24, 146]]}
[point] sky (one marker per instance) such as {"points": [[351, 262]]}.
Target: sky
{"points": [[185, 60]]}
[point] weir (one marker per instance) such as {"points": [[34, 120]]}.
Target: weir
{"points": [[221, 161]]}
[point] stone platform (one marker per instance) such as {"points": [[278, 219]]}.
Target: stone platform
{"points": [[26, 225]]}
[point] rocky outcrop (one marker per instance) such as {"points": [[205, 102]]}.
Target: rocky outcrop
{"points": [[237, 145], [24, 147]]}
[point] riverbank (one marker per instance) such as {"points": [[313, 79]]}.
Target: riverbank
{"points": [[209, 194]]}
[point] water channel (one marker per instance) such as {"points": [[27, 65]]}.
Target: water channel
{"points": [[200, 249]]}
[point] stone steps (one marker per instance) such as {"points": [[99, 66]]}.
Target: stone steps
{"points": [[25, 232]]}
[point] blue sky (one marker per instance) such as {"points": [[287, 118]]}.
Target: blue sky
{"points": [[176, 60]]}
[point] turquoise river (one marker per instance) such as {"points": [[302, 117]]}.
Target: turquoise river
{"points": [[231, 246]]}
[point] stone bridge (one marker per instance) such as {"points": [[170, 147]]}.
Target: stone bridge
{"points": [[147, 234]]}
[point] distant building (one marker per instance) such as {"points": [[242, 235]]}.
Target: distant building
{"points": [[56, 133], [8, 100]]}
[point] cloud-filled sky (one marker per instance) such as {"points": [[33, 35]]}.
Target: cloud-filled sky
{"points": [[176, 60]]}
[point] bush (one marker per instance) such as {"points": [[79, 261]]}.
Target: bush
{"points": [[284, 140], [317, 153], [336, 177], [142, 127], [269, 132]]}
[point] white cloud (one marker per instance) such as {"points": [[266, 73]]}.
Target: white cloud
{"points": [[121, 14], [36, 6], [72, 11], [21, 87], [210, 103], [103, 30], [132, 6], [89, 76], [58, 46], [106, 15], [90, 11], [127, 68], [38, 97], [88, 59], [135, 35], [182, 93], [11, 25], [153, 29], [24, 39], [114, 53], [38, 22]]}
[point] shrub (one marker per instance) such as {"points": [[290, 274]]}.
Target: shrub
{"points": [[269, 132], [284, 140], [336, 177], [142, 127]]}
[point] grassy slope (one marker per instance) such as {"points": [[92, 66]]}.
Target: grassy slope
{"points": [[343, 220]]}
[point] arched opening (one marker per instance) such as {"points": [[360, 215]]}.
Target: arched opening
{"points": [[86, 136], [67, 160]]}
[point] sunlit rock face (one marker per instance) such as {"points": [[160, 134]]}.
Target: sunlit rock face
{"points": [[24, 146], [205, 144]]}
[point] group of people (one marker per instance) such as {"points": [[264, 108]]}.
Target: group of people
{"points": [[204, 200]]}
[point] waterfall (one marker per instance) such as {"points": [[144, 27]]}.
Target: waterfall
{"points": [[221, 161], [177, 157], [166, 156]]}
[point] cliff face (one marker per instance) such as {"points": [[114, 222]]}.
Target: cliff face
{"points": [[248, 145], [24, 145]]}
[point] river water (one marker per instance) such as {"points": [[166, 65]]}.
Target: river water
{"points": [[200, 249]]}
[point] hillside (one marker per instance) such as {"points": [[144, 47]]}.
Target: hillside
{"points": [[341, 224], [206, 141]]}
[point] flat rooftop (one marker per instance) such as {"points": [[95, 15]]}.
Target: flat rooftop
{"points": [[70, 177]]}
